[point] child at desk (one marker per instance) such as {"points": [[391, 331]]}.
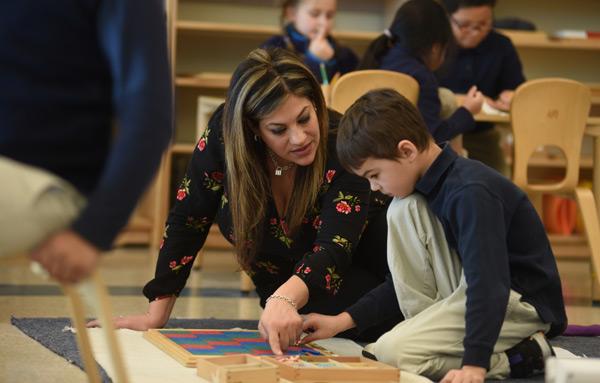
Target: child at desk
{"points": [[415, 44], [471, 265], [488, 60], [306, 31]]}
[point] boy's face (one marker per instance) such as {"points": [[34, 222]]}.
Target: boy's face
{"points": [[471, 25], [313, 16], [396, 178]]}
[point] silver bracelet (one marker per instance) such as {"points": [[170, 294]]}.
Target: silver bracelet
{"points": [[283, 298]]}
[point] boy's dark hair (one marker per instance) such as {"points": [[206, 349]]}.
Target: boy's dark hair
{"points": [[454, 5], [373, 126], [418, 25]]}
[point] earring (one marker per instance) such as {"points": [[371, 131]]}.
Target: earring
{"points": [[256, 137]]}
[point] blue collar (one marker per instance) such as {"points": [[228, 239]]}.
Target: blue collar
{"points": [[436, 172]]}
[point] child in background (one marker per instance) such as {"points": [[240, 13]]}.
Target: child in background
{"points": [[472, 267], [488, 60], [306, 31], [415, 44]]}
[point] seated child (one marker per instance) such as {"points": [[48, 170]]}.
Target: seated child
{"points": [[415, 44], [488, 60], [306, 31], [471, 264]]}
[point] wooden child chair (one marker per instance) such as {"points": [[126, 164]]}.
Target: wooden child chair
{"points": [[553, 112], [354, 84]]}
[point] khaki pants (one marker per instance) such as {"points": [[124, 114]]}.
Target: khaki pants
{"points": [[431, 288], [33, 205]]}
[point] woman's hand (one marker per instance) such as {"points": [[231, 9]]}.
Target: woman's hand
{"points": [[156, 317], [280, 324], [473, 100], [319, 326]]}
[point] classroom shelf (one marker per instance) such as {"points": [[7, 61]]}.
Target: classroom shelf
{"points": [[181, 148], [206, 80], [524, 39], [256, 31], [538, 39]]}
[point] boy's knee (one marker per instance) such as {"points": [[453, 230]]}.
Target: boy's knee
{"points": [[391, 348]]}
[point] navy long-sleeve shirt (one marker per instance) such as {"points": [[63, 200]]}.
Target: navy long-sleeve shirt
{"points": [[494, 66], [68, 71], [400, 60], [343, 61], [502, 245]]}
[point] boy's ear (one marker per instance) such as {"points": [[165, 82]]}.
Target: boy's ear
{"points": [[407, 150]]}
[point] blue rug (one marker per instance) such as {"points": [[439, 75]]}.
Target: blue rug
{"points": [[48, 332]]}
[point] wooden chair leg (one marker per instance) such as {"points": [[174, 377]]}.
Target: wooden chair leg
{"points": [[83, 340], [589, 215], [95, 293], [246, 284], [199, 262]]}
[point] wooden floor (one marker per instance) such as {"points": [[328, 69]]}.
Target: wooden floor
{"points": [[127, 270]]}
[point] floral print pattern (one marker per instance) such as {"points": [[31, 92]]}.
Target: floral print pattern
{"points": [[279, 229], [184, 189], [203, 140], [198, 224], [343, 242], [347, 203], [164, 236], [213, 181], [175, 266], [332, 280]]}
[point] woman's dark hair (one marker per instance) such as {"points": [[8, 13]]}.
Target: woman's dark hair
{"points": [[418, 25], [454, 5]]}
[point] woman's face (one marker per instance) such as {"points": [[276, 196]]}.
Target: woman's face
{"points": [[291, 132], [310, 16], [471, 25]]}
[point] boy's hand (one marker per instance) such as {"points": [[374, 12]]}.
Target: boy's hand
{"points": [[467, 374], [473, 100], [503, 101], [320, 47], [320, 326]]}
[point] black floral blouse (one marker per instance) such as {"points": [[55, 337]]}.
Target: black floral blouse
{"points": [[319, 252]]}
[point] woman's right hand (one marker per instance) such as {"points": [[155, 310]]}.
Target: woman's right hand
{"points": [[156, 317], [281, 325], [473, 100]]}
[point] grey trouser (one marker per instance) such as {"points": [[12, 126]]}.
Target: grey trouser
{"points": [[430, 287], [33, 205]]}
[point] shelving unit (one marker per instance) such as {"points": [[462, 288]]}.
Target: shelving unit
{"points": [[209, 38]]}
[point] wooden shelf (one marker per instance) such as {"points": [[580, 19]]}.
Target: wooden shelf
{"points": [[538, 39], [572, 247], [262, 31], [182, 148], [523, 39], [206, 80], [542, 160]]}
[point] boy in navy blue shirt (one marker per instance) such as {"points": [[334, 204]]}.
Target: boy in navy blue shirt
{"points": [[488, 60], [471, 264]]}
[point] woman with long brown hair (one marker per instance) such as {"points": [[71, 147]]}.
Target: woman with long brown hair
{"points": [[311, 235]]}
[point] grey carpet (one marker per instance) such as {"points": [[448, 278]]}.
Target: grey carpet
{"points": [[48, 332]]}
